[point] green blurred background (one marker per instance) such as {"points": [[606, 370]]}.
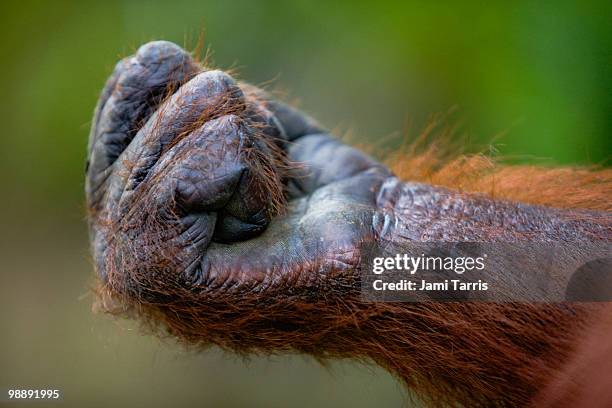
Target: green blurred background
{"points": [[534, 75]]}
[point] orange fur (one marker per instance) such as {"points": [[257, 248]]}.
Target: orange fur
{"points": [[451, 354], [561, 187], [448, 353]]}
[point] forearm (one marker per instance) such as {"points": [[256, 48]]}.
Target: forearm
{"points": [[525, 253]]}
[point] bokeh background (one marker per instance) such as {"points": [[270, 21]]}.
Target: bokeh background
{"points": [[534, 77]]}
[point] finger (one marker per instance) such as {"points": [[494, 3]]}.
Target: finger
{"points": [[212, 171], [177, 115], [293, 123], [257, 109], [208, 95], [323, 160], [134, 90], [185, 201], [167, 169]]}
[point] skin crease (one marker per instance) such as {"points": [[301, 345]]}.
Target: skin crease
{"points": [[186, 172]]}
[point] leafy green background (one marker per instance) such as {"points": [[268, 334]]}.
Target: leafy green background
{"points": [[535, 77]]}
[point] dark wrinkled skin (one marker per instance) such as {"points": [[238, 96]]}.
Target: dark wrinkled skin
{"points": [[339, 201]]}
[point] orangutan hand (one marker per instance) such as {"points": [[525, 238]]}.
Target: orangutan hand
{"points": [[198, 182], [227, 217], [187, 174]]}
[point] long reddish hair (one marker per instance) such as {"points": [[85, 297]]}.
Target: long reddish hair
{"points": [[446, 353]]}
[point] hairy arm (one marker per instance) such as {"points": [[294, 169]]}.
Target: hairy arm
{"points": [[186, 231]]}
